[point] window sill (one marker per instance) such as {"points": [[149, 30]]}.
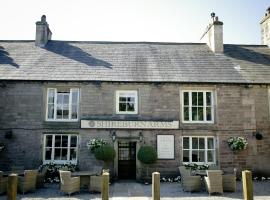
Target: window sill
{"points": [[57, 162], [198, 122], [75, 120], [126, 113]]}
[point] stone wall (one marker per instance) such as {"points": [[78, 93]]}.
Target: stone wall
{"points": [[240, 111]]}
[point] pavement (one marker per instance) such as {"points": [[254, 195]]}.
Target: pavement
{"points": [[131, 190]]}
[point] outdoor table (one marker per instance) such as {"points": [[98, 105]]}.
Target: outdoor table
{"points": [[201, 173], [19, 173], [84, 177]]}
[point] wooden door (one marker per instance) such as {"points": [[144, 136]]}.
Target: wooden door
{"points": [[127, 160]]}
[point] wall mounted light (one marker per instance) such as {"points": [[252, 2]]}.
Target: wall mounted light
{"points": [[113, 136], [140, 136]]}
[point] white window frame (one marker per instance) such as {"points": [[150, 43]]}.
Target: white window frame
{"points": [[53, 149], [205, 150], [204, 106], [269, 103], [55, 106], [125, 92]]}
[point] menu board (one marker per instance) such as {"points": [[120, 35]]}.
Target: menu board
{"points": [[165, 146]]}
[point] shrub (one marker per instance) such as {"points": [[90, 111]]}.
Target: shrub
{"points": [[194, 166], [147, 154], [237, 143], [106, 153], [52, 171]]}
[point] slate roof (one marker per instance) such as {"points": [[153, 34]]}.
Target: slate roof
{"points": [[133, 62]]}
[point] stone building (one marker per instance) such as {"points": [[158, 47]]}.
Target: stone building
{"points": [[184, 99]]}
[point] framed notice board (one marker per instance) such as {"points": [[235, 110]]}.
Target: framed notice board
{"points": [[165, 146]]}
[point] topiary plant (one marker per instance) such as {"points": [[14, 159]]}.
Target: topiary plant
{"points": [[106, 153], [147, 155]]}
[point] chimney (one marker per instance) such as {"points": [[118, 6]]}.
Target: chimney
{"points": [[265, 28], [43, 32], [213, 35]]}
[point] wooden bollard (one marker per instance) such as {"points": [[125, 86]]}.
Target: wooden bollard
{"points": [[156, 186], [105, 186], [247, 185], [12, 186]]}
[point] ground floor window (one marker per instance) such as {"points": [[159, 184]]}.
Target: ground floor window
{"points": [[199, 150], [60, 148]]}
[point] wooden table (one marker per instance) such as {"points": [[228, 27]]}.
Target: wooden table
{"points": [[84, 177], [19, 173], [201, 174]]}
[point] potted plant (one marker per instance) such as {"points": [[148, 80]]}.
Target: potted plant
{"points": [[147, 155], [237, 143], [106, 153]]}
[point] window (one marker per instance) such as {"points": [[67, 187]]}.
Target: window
{"points": [[60, 148], [197, 106], [62, 105], [126, 102], [199, 150]]}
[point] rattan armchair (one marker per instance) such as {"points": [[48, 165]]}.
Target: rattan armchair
{"points": [[95, 183], [41, 178], [28, 182], [69, 184], [229, 181], [3, 183], [213, 181], [189, 183]]}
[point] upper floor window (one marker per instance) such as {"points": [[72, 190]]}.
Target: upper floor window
{"points": [[127, 102], [197, 106], [199, 150], [60, 148], [62, 105]]}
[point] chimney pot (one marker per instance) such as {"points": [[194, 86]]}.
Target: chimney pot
{"points": [[43, 32], [43, 18], [213, 35]]}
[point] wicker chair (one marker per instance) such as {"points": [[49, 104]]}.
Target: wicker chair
{"points": [[41, 178], [189, 183], [28, 182], [95, 183], [69, 184], [229, 182], [213, 181], [3, 183], [213, 167]]}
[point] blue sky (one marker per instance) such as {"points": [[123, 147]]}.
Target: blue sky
{"points": [[133, 20]]}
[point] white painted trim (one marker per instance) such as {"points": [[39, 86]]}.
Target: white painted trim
{"points": [[190, 106], [55, 106], [53, 149], [205, 149], [268, 103], [133, 92]]}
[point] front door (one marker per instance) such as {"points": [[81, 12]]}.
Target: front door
{"points": [[127, 160]]}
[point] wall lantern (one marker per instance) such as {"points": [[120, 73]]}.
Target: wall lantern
{"points": [[113, 136], [140, 136]]}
